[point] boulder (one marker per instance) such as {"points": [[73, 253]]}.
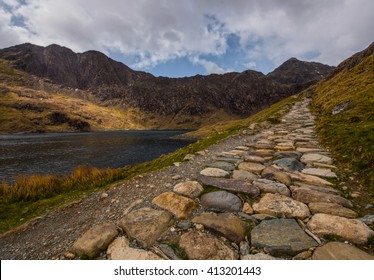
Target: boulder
{"points": [[231, 185], [180, 206], [281, 206], [226, 224], [95, 240], [221, 201], [120, 249], [199, 246], [268, 186], [340, 251], [281, 237], [191, 189], [146, 225], [352, 230]]}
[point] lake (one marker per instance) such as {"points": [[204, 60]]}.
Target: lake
{"points": [[60, 153]]}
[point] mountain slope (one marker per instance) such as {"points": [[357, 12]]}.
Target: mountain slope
{"points": [[345, 103], [166, 103]]}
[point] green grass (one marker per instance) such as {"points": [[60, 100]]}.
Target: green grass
{"points": [[34, 196], [349, 135]]}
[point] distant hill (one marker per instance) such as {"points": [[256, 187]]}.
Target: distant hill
{"points": [[189, 102]]}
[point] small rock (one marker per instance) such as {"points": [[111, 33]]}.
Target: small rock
{"points": [[189, 157], [368, 219], [247, 209], [191, 189], [214, 172], [303, 255], [288, 154], [262, 217], [177, 164], [244, 248], [199, 227], [257, 159], [350, 229], [313, 157], [221, 201], [176, 177], [283, 178], [199, 246], [168, 251], [69, 256], [180, 206], [184, 224], [104, 195], [258, 257]]}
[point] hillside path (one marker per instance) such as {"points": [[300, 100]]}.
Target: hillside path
{"points": [[266, 193]]}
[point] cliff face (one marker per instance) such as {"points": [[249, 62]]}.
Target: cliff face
{"points": [[115, 84]]}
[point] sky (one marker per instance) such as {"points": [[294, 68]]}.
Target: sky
{"points": [[177, 38]]}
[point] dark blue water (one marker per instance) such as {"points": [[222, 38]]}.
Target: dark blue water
{"points": [[60, 153]]}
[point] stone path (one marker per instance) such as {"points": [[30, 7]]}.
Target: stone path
{"points": [[271, 197]]}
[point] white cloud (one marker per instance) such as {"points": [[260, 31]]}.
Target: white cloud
{"points": [[210, 67], [158, 31]]}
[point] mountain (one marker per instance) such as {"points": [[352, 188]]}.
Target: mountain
{"points": [[165, 102], [300, 75]]}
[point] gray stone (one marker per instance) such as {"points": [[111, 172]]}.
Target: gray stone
{"points": [[289, 164], [281, 237], [120, 249], [244, 248], [325, 189], [146, 225], [287, 154], [214, 172], [199, 246], [227, 166], [340, 251], [309, 179], [244, 175], [252, 158], [168, 252], [352, 230], [281, 206], [191, 189], [368, 219], [226, 224], [221, 201], [231, 185], [230, 159], [268, 186], [262, 217], [95, 240]]}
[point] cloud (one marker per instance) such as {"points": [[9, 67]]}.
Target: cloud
{"points": [[154, 32]]}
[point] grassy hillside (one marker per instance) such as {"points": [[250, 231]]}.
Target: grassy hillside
{"points": [[349, 134]]}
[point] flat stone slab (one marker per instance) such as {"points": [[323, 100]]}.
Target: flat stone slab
{"points": [[231, 185], [308, 150], [281, 206], [281, 237], [259, 257], [308, 195], [268, 186], [95, 240], [244, 175], [289, 164], [226, 224], [146, 225], [200, 246], [214, 172], [252, 158], [229, 159], [313, 157], [287, 154], [224, 165], [180, 206], [251, 167], [310, 179], [352, 230], [221, 201], [320, 172], [191, 189], [332, 209], [340, 251], [325, 189], [368, 219], [120, 249]]}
